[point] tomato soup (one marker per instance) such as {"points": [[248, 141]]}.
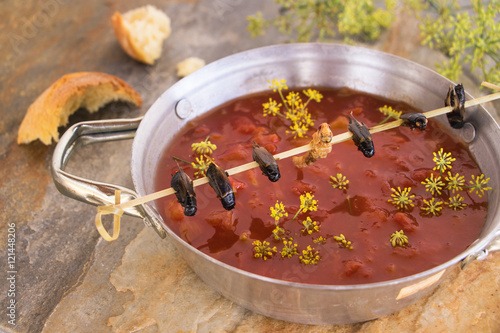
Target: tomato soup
{"points": [[361, 211]]}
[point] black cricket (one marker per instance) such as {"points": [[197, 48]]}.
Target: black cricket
{"points": [[267, 162], [361, 137], [414, 120], [219, 181], [456, 99], [184, 191]]}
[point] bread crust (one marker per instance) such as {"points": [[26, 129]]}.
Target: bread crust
{"points": [[125, 39], [143, 42], [90, 90]]}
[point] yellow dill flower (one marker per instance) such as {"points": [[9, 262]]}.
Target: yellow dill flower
{"points": [[433, 185], [310, 226], [320, 239], [432, 207], [204, 147], [313, 94], [390, 112], [309, 256], [201, 166], [293, 99], [454, 183], [478, 184], [399, 239], [263, 250], [340, 182], [277, 85], [277, 231], [289, 249], [443, 160], [456, 202], [402, 199], [343, 242], [308, 203], [298, 130], [272, 108], [278, 211]]}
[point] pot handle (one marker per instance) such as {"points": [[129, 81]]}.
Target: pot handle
{"points": [[93, 192], [493, 246]]}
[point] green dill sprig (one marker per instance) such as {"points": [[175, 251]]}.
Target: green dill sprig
{"points": [[323, 20], [467, 37]]}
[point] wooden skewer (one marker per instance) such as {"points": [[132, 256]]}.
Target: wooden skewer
{"points": [[302, 149]]}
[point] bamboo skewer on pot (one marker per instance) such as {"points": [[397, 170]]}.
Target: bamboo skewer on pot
{"points": [[117, 209]]}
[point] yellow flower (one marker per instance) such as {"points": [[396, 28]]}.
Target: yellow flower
{"points": [[293, 99], [456, 202], [313, 94], [443, 160], [289, 249], [271, 108], [201, 166], [263, 250], [204, 147], [399, 239], [432, 207], [454, 183], [390, 112], [298, 130], [478, 184], [310, 226], [307, 203], [277, 84], [402, 199], [343, 242], [433, 185], [340, 182], [278, 211], [309, 256]]}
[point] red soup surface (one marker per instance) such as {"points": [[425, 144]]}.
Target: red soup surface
{"points": [[361, 212]]}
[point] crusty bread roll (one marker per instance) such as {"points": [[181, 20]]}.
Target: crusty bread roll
{"points": [[89, 90], [141, 32], [189, 65]]}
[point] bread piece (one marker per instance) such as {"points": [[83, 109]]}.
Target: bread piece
{"points": [[189, 65], [90, 90], [141, 32]]}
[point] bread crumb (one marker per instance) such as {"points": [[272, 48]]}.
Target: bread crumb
{"points": [[89, 90], [141, 32], [189, 65]]}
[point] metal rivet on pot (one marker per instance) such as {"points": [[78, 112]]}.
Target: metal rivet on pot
{"points": [[183, 108], [468, 132]]}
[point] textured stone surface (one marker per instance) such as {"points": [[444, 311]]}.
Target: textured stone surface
{"points": [[70, 280]]}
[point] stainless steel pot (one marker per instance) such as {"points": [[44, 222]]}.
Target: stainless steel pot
{"points": [[244, 73]]}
